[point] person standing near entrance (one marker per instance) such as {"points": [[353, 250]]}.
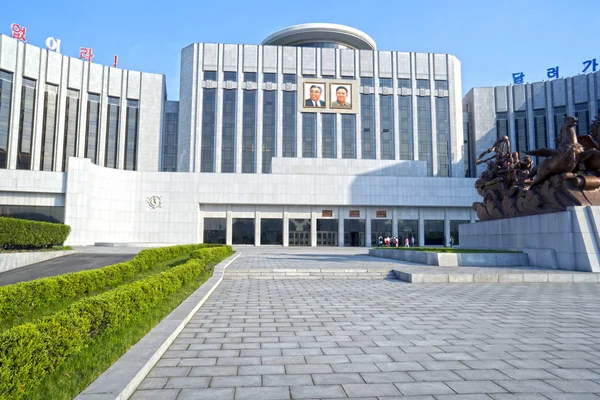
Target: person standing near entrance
{"points": [[406, 242], [451, 241], [412, 241]]}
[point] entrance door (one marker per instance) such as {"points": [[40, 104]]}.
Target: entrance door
{"points": [[299, 232], [354, 232]]}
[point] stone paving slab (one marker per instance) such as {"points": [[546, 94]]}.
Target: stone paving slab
{"points": [[384, 339]]}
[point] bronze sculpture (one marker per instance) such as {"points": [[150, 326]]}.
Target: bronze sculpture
{"points": [[512, 187]]}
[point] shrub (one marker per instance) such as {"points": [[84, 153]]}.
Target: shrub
{"points": [[28, 352], [22, 298], [23, 234]]}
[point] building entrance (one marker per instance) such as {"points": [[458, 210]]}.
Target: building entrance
{"points": [[354, 232], [299, 232], [327, 232]]}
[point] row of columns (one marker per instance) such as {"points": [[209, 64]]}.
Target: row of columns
{"points": [[313, 227]]}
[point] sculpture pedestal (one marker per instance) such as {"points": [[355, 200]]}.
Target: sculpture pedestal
{"points": [[566, 240]]}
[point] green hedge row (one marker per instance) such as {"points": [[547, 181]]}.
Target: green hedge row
{"points": [[23, 234], [30, 351], [23, 298]]}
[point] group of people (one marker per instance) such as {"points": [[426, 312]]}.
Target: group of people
{"points": [[392, 241]]}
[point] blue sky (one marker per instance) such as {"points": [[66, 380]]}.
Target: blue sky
{"points": [[491, 39]]}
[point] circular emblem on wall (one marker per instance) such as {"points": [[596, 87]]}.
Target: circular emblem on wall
{"points": [[248, 85], [208, 84], [154, 202], [269, 86], [288, 86], [229, 84]]}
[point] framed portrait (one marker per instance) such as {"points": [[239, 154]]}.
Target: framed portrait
{"points": [[314, 95], [341, 96]]}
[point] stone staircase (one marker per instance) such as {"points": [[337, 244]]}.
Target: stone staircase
{"points": [[316, 273]]}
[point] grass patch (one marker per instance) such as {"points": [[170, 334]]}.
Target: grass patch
{"points": [[61, 305], [446, 250], [77, 372]]}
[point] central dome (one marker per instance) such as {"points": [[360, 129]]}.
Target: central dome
{"points": [[321, 35]]}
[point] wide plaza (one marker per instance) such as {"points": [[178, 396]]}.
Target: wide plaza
{"points": [[379, 338]]}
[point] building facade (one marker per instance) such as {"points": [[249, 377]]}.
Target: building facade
{"points": [[531, 114], [311, 138]]}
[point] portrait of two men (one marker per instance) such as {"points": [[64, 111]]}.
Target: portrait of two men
{"points": [[315, 95]]}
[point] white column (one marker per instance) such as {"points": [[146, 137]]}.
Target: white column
{"points": [[219, 121], [102, 119], [377, 108], [395, 222], [341, 227], [421, 228], [259, 115], [313, 229], [530, 120], [13, 136], [279, 144], [239, 114], [200, 224], [36, 148], [257, 228], [368, 227], [122, 134], [298, 113], [358, 105], [229, 227], [396, 111], [286, 228], [415, 119], [434, 154], [446, 228]]}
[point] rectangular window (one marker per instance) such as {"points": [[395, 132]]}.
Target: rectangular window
{"points": [[386, 122], [442, 116], [112, 132], [209, 117], [367, 82], [5, 98], [404, 83], [26, 124], [424, 131], [49, 128], [521, 131], [539, 124], [228, 131], [348, 136], [170, 143], [423, 84], [367, 113], [308, 75], [215, 230], [309, 135], [386, 82], [249, 132], [289, 124], [434, 233], [408, 228], [348, 77], [269, 134], [249, 76], [583, 115], [92, 127], [406, 127], [289, 78], [70, 134], [131, 135], [328, 135], [559, 114], [502, 124], [466, 142], [441, 85], [210, 75], [270, 77], [230, 76]]}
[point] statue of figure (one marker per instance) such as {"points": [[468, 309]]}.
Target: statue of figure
{"points": [[500, 148], [565, 158]]}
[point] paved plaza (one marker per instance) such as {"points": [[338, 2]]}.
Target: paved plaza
{"points": [[381, 338]]}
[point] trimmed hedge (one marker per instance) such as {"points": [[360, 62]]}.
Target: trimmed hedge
{"points": [[22, 298], [23, 234], [29, 351]]}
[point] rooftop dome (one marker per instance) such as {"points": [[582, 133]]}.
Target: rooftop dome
{"points": [[321, 35]]}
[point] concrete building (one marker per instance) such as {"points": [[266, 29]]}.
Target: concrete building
{"points": [[530, 114], [311, 138]]}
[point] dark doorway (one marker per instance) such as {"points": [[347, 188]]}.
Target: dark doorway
{"points": [[354, 232], [271, 231], [242, 231]]}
